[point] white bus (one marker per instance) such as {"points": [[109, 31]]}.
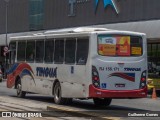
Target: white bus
{"points": [[83, 63]]}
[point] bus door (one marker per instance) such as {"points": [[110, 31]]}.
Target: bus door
{"points": [[12, 53]]}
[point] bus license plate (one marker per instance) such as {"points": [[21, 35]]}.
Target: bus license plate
{"points": [[119, 85]]}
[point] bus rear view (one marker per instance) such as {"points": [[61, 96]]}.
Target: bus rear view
{"points": [[119, 67]]}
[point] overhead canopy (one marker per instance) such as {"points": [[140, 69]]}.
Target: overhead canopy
{"points": [[151, 28]]}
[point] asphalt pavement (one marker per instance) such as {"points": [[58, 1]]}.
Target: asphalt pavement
{"points": [[118, 106]]}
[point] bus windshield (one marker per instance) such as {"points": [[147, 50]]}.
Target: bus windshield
{"points": [[119, 45]]}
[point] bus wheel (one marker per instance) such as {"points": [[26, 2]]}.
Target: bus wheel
{"points": [[102, 101], [58, 94], [20, 93]]}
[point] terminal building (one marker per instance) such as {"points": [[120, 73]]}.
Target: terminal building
{"points": [[21, 17]]}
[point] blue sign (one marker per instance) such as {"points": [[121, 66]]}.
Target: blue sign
{"points": [[106, 3], [104, 85]]}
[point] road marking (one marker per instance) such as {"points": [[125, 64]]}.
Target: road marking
{"points": [[2, 109]]}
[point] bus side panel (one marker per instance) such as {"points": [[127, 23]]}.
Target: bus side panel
{"points": [[25, 81], [45, 74], [19, 71], [74, 80], [73, 90]]}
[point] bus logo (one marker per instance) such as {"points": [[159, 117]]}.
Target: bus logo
{"points": [[47, 72], [106, 3], [132, 69]]}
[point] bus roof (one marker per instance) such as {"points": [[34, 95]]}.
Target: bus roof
{"points": [[74, 31]]}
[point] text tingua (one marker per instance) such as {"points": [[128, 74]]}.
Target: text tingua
{"points": [[47, 72]]}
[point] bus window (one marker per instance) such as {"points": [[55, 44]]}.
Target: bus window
{"points": [[12, 48], [21, 51], [39, 51], [119, 45], [49, 50], [70, 47], [30, 51], [82, 51], [136, 45], [59, 51]]}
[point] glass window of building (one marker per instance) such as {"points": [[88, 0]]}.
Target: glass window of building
{"points": [[149, 49], [36, 14], [154, 50], [154, 60], [158, 50]]}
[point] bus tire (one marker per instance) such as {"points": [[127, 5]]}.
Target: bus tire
{"points": [[102, 101], [20, 93], [57, 92]]}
